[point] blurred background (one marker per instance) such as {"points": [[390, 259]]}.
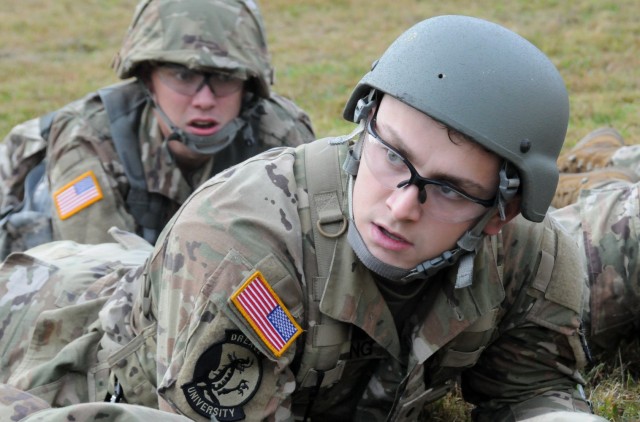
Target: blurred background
{"points": [[52, 52]]}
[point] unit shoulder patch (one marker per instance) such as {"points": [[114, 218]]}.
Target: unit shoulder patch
{"points": [[266, 313], [225, 377], [77, 195]]}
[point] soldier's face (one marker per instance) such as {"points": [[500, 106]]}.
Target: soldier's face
{"points": [[396, 227], [202, 113]]}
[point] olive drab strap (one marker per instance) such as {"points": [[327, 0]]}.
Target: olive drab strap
{"points": [[124, 105], [326, 339], [45, 124], [28, 223]]}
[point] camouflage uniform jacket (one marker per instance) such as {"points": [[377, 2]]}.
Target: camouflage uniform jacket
{"points": [[80, 144], [512, 335], [73, 323]]}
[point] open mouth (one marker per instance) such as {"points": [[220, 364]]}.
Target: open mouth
{"points": [[201, 124], [392, 236], [203, 127]]}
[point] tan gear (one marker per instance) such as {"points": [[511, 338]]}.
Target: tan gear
{"points": [[591, 152], [570, 184]]}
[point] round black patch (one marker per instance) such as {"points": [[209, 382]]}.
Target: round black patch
{"points": [[226, 376]]}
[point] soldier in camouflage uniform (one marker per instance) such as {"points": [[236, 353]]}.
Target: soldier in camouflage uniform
{"points": [[351, 278], [598, 199], [200, 101]]}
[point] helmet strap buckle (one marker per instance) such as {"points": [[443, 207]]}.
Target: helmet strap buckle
{"points": [[364, 106], [508, 187]]}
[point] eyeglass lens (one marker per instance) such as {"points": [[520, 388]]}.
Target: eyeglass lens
{"points": [[188, 82], [392, 170]]}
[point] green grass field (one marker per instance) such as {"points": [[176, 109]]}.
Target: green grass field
{"points": [[52, 52]]}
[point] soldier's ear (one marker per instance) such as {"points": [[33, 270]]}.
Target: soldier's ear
{"points": [[511, 210]]}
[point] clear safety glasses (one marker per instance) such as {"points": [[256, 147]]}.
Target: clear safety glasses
{"points": [[440, 199], [188, 82]]}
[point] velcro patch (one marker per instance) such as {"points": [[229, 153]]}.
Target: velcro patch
{"points": [[77, 195], [265, 312], [225, 378]]}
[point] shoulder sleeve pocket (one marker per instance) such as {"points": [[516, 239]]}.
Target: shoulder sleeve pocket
{"points": [[559, 285]]}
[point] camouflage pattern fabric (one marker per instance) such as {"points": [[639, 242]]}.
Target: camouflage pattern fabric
{"points": [[16, 405], [222, 35], [174, 339], [43, 288], [604, 221], [24, 202], [627, 157], [564, 417], [80, 141], [58, 305], [207, 253], [20, 151]]}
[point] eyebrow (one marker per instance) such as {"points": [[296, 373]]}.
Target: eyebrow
{"points": [[460, 183]]}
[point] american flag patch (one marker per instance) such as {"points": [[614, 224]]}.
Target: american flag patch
{"points": [[266, 313], [77, 195]]}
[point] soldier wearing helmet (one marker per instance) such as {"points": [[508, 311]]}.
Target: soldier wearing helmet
{"points": [[197, 99], [360, 277], [398, 267], [597, 201]]}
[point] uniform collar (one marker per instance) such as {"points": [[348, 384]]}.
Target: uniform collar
{"points": [[355, 299], [455, 310]]}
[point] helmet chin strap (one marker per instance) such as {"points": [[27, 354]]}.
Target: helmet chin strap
{"points": [[207, 145], [469, 243]]}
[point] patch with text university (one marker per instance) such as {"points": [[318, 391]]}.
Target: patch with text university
{"points": [[226, 376], [267, 315], [77, 195]]}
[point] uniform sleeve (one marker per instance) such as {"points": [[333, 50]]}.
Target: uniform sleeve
{"points": [[17, 405], [532, 367], [20, 151], [23, 209], [86, 180], [211, 362]]}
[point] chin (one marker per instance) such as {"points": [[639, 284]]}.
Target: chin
{"points": [[394, 261]]}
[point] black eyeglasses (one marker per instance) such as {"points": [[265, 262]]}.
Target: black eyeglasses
{"points": [[394, 171], [188, 82]]}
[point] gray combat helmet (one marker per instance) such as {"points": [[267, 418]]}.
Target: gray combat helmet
{"points": [[222, 35], [488, 83]]}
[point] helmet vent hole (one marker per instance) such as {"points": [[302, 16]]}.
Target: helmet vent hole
{"points": [[525, 146]]}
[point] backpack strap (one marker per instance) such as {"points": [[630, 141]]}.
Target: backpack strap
{"points": [[326, 339], [124, 105], [45, 124]]}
